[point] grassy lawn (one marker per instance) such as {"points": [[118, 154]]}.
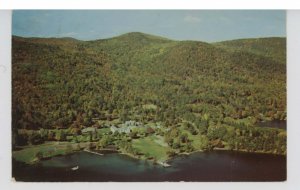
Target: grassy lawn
{"points": [[152, 147], [103, 130], [49, 149], [159, 140]]}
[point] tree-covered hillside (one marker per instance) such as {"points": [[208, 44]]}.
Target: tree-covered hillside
{"points": [[274, 48], [67, 83]]}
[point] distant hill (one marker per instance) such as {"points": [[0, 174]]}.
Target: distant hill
{"points": [[274, 48], [62, 82]]}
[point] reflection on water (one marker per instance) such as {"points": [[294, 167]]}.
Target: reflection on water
{"points": [[209, 166]]}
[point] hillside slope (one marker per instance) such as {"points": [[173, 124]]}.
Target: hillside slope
{"points": [[274, 48], [69, 83]]}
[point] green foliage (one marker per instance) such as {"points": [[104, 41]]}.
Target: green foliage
{"points": [[184, 138], [150, 147], [216, 132], [67, 83], [60, 135], [105, 141], [274, 48]]}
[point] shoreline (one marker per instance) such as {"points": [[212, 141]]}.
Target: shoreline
{"points": [[162, 162], [246, 151], [97, 153]]}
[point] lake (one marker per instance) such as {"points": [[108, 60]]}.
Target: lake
{"points": [[200, 166], [273, 124]]}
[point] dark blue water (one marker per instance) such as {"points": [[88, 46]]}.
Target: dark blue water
{"points": [[209, 166]]}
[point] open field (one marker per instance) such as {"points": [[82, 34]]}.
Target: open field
{"points": [[150, 147], [32, 154]]}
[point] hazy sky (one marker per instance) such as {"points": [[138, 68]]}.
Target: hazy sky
{"points": [[201, 25]]}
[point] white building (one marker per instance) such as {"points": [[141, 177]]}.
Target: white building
{"points": [[126, 127]]}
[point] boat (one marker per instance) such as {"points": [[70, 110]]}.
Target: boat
{"points": [[75, 168]]}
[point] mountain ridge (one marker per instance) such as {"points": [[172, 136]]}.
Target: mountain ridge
{"points": [[140, 41], [147, 35], [131, 74]]}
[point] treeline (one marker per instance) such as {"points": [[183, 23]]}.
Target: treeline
{"points": [[220, 136]]}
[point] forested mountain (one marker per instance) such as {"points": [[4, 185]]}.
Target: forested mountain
{"points": [[68, 83], [274, 48]]}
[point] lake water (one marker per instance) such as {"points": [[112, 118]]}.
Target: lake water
{"points": [[273, 124], [208, 166]]}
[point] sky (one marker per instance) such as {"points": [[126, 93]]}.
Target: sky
{"points": [[200, 25]]}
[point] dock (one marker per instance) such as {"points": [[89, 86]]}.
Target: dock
{"points": [[85, 150], [164, 164]]}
